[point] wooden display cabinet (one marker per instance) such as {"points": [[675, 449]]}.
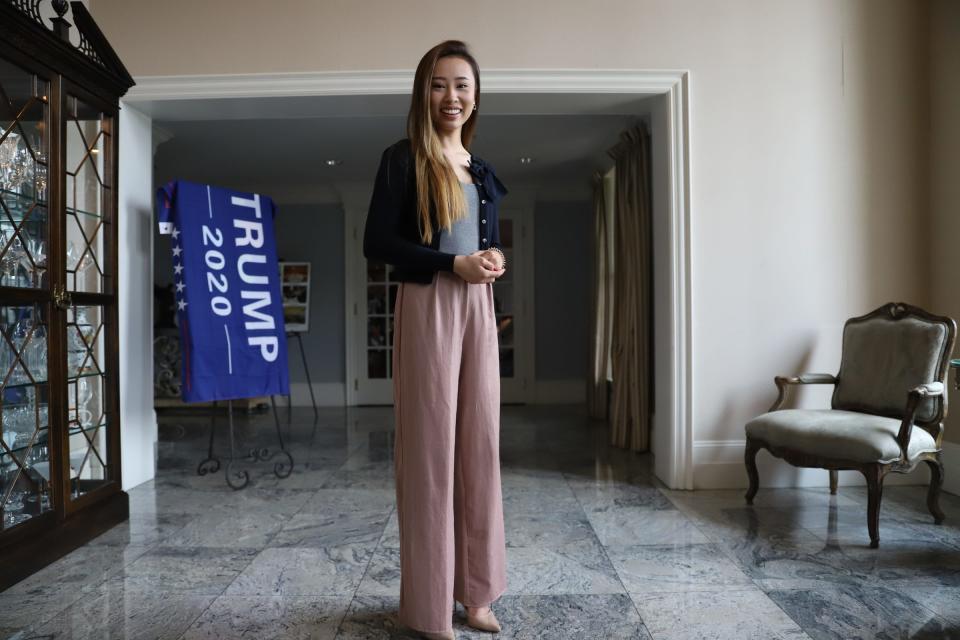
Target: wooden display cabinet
{"points": [[60, 86]]}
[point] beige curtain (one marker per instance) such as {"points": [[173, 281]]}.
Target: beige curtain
{"points": [[630, 346], [601, 321]]}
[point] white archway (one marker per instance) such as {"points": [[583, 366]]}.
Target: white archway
{"points": [[673, 448]]}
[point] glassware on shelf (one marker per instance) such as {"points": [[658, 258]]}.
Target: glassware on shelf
{"points": [[40, 176], [6, 355], [78, 260], [84, 396], [76, 351], [10, 437], [37, 248], [18, 336], [36, 356], [7, 262], [13, 259], [13, 509], [19, 419], [80, 338], [19, 169], [9, 151]]}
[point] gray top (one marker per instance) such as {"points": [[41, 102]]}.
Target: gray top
{"points": [[464, 237]]}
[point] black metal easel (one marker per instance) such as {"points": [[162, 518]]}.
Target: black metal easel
{"points": [[306, 369], [239, 478]]}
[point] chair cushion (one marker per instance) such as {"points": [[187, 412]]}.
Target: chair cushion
{"points": [[838, 435]]}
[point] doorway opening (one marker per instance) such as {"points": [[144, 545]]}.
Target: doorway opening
{"points": [[239, 100]]}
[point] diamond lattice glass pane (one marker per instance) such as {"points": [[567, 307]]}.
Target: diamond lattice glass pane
{"points": [[23, 177], [24, 454], [88, 191], [88, 427], [23, 346], [85, 339]]}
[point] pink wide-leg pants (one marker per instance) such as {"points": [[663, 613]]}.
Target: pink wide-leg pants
{"points": [[446, 377]]}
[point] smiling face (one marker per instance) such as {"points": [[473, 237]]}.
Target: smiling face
{"points": [[452, 93]]}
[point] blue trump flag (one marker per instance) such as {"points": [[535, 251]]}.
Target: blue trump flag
{"points": [[227, 290]]}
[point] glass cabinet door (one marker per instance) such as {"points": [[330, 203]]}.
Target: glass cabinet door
{"points": [[23, 178], [25, 470], [24, 452], [88, 145]]}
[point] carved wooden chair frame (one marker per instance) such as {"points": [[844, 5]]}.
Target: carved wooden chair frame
{"points": [[874, 472]]}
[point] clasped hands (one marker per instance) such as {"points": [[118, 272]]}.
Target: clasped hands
{"points": [[480, 267]]}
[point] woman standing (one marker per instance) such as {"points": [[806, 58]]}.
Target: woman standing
{"points": [[433, 216]]}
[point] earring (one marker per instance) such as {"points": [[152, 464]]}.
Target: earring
{"points": [[474, 107]]}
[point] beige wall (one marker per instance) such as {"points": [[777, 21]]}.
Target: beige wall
{"points": [[945, 170], [808, 139]]}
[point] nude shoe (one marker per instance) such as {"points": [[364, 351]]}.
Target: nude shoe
{"points": [[443, 635], [485, 622]]}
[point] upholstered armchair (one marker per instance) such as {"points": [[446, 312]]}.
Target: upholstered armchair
{"points": [[887, 410]]}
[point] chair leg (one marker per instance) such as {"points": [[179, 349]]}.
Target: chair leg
{"points": [[833, 482], [936, 483], [874, 478], [750, 459]]}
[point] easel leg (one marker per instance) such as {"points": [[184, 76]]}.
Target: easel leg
{"points": [[306, 370], [236, 479], [210, 464], [280, 469]]}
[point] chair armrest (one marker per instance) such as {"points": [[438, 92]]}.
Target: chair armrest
{"points": [[914, 398], [805, 378]]}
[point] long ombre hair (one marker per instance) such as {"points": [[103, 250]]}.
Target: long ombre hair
{"points": [[437, 182]]}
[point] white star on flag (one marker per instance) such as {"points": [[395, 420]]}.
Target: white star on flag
{"points": [[178, 269], [177, 251], [180, 286], [176, 233], [181, 305]]}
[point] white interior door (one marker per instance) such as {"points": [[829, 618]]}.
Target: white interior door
{"points": [[374, 296], [513, 304]]}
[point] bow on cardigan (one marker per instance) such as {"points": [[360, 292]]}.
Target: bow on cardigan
{"points": [[488, 177]]}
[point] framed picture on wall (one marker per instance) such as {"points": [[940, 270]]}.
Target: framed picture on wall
{"points": [[295, 289]]}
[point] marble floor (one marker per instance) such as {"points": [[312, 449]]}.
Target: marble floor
{"points": [[597, 548]]}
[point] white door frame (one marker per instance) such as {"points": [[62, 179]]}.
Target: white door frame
{"points": [[677, 471], [522, 388]]}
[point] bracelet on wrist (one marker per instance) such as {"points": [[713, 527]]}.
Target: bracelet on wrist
{"points": [[503, 258]]}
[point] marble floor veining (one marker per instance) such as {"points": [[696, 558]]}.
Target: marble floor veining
{"points": [[597, 548]]}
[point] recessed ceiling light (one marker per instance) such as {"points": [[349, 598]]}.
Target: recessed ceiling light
{"points": [[526, 160], [333, 163]]}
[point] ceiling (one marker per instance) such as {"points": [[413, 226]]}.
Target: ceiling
{"points": [[285, 142]]}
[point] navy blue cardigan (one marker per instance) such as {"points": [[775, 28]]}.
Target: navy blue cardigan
{"points": [[392, 233]]}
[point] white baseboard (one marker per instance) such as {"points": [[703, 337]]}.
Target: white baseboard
{"points": [[559, 392], [328, 394], [951, 468], [718, 464]]}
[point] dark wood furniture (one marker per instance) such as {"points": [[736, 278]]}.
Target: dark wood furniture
{"points": [[60, 86], [887, 409]]}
